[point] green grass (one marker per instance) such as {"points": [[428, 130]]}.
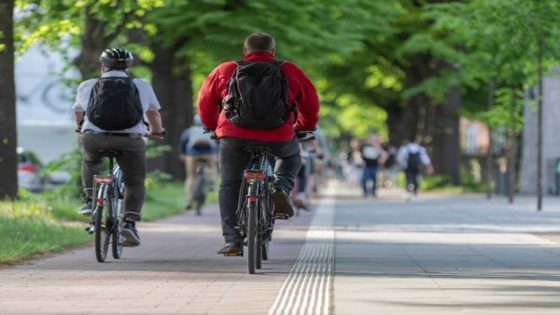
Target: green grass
{"points": [[444, 184], [28, 229], [49, 222]]}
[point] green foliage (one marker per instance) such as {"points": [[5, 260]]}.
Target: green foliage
{"points": [[60, 23], [71, 163], [444, 184]]}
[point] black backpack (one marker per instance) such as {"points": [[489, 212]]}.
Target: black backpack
{"points": [[258, 96], [413, 162], [114, 104]]}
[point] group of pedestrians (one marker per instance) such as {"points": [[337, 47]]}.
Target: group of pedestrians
{"points": [[371, 164]]}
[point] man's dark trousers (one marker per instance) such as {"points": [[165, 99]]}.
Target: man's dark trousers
{"points": [[412, 179], [233, 161]]}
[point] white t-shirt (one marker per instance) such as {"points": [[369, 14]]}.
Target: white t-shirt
{"points": [[147, 98], [402, 155]]}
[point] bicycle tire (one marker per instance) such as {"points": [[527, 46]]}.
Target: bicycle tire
{"points": [[259, 251], [102, 234], [200, 204], [252, 230], [118, 220], [267, 211], [199, 196]]}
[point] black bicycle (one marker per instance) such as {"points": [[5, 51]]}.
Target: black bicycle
{"points": [[255, 217], [199, 189], [108, 211]]}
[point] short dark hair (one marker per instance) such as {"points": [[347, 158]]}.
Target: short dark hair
{"points": [[259, 41]]}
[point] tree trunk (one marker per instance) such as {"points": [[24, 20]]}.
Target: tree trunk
{"points": [[173, 87], [511, 149], [399, 121], [8, 132], [94, 40], [446, 149], [540, 126], [489, 158]]}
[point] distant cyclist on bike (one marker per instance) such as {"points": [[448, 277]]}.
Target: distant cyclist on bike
{"points": [[197, 145], [109, 114], [258, 100]]}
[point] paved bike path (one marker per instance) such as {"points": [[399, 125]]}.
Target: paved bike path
{"points": [[435, 255], [175, 271]]}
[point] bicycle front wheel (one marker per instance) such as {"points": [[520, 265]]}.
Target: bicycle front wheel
{"points": [[252, 230], [102, 234], [199, 194]]}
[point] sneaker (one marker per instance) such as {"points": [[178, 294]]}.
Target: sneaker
{"points": [[87, 209], [188, 206], [231, 249], [130, 235], [281, 203]]}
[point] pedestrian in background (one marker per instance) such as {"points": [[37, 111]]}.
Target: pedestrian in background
{"points": [[353, 168], [413, 159], [373, 156]]}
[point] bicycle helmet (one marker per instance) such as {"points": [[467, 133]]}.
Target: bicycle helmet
{"points": [[116, 58]]}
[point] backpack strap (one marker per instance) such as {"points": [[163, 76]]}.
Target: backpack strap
{"points": [[241, 62]]}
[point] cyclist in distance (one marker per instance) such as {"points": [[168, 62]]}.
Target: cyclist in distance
{"points": [[197, 144], [263, 101], [109, 114]]}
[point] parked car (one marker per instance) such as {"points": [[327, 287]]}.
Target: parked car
{"points": [[29, 171], [32, 174]]}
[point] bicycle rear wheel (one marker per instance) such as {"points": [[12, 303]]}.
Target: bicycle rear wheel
{"points": [[252, 230], [102, 234], [259, 251]]}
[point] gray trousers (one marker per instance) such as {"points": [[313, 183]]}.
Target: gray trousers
{"points": [[132, 162]]}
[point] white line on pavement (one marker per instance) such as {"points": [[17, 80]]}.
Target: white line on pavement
{"points": [[308, 288]]}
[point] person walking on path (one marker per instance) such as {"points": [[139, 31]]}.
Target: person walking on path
{"points": [[109, 113], [263, 101], [197, 145], [353, 167], [373, 155], [413, 158]]}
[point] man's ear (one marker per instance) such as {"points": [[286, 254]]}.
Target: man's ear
{"points": [[273, 52], [245, 53]]}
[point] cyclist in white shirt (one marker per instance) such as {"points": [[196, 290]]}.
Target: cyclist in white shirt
{"points": [[109, 114]]}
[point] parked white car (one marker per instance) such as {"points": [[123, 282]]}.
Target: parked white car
{"points": [[31, 173]]}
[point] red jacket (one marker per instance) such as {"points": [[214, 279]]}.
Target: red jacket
{"points": [[300, 91]]}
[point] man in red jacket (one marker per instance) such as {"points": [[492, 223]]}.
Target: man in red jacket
{"points": [[281, 141]]}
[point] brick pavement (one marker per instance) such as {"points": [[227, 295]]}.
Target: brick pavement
{"points": [[175, 271]]}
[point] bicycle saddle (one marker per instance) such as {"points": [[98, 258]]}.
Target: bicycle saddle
{"points": [[110, 152], [256, 149]]}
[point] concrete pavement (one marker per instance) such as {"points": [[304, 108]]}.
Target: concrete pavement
{"points": [[435, 255], [445, 255]]}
